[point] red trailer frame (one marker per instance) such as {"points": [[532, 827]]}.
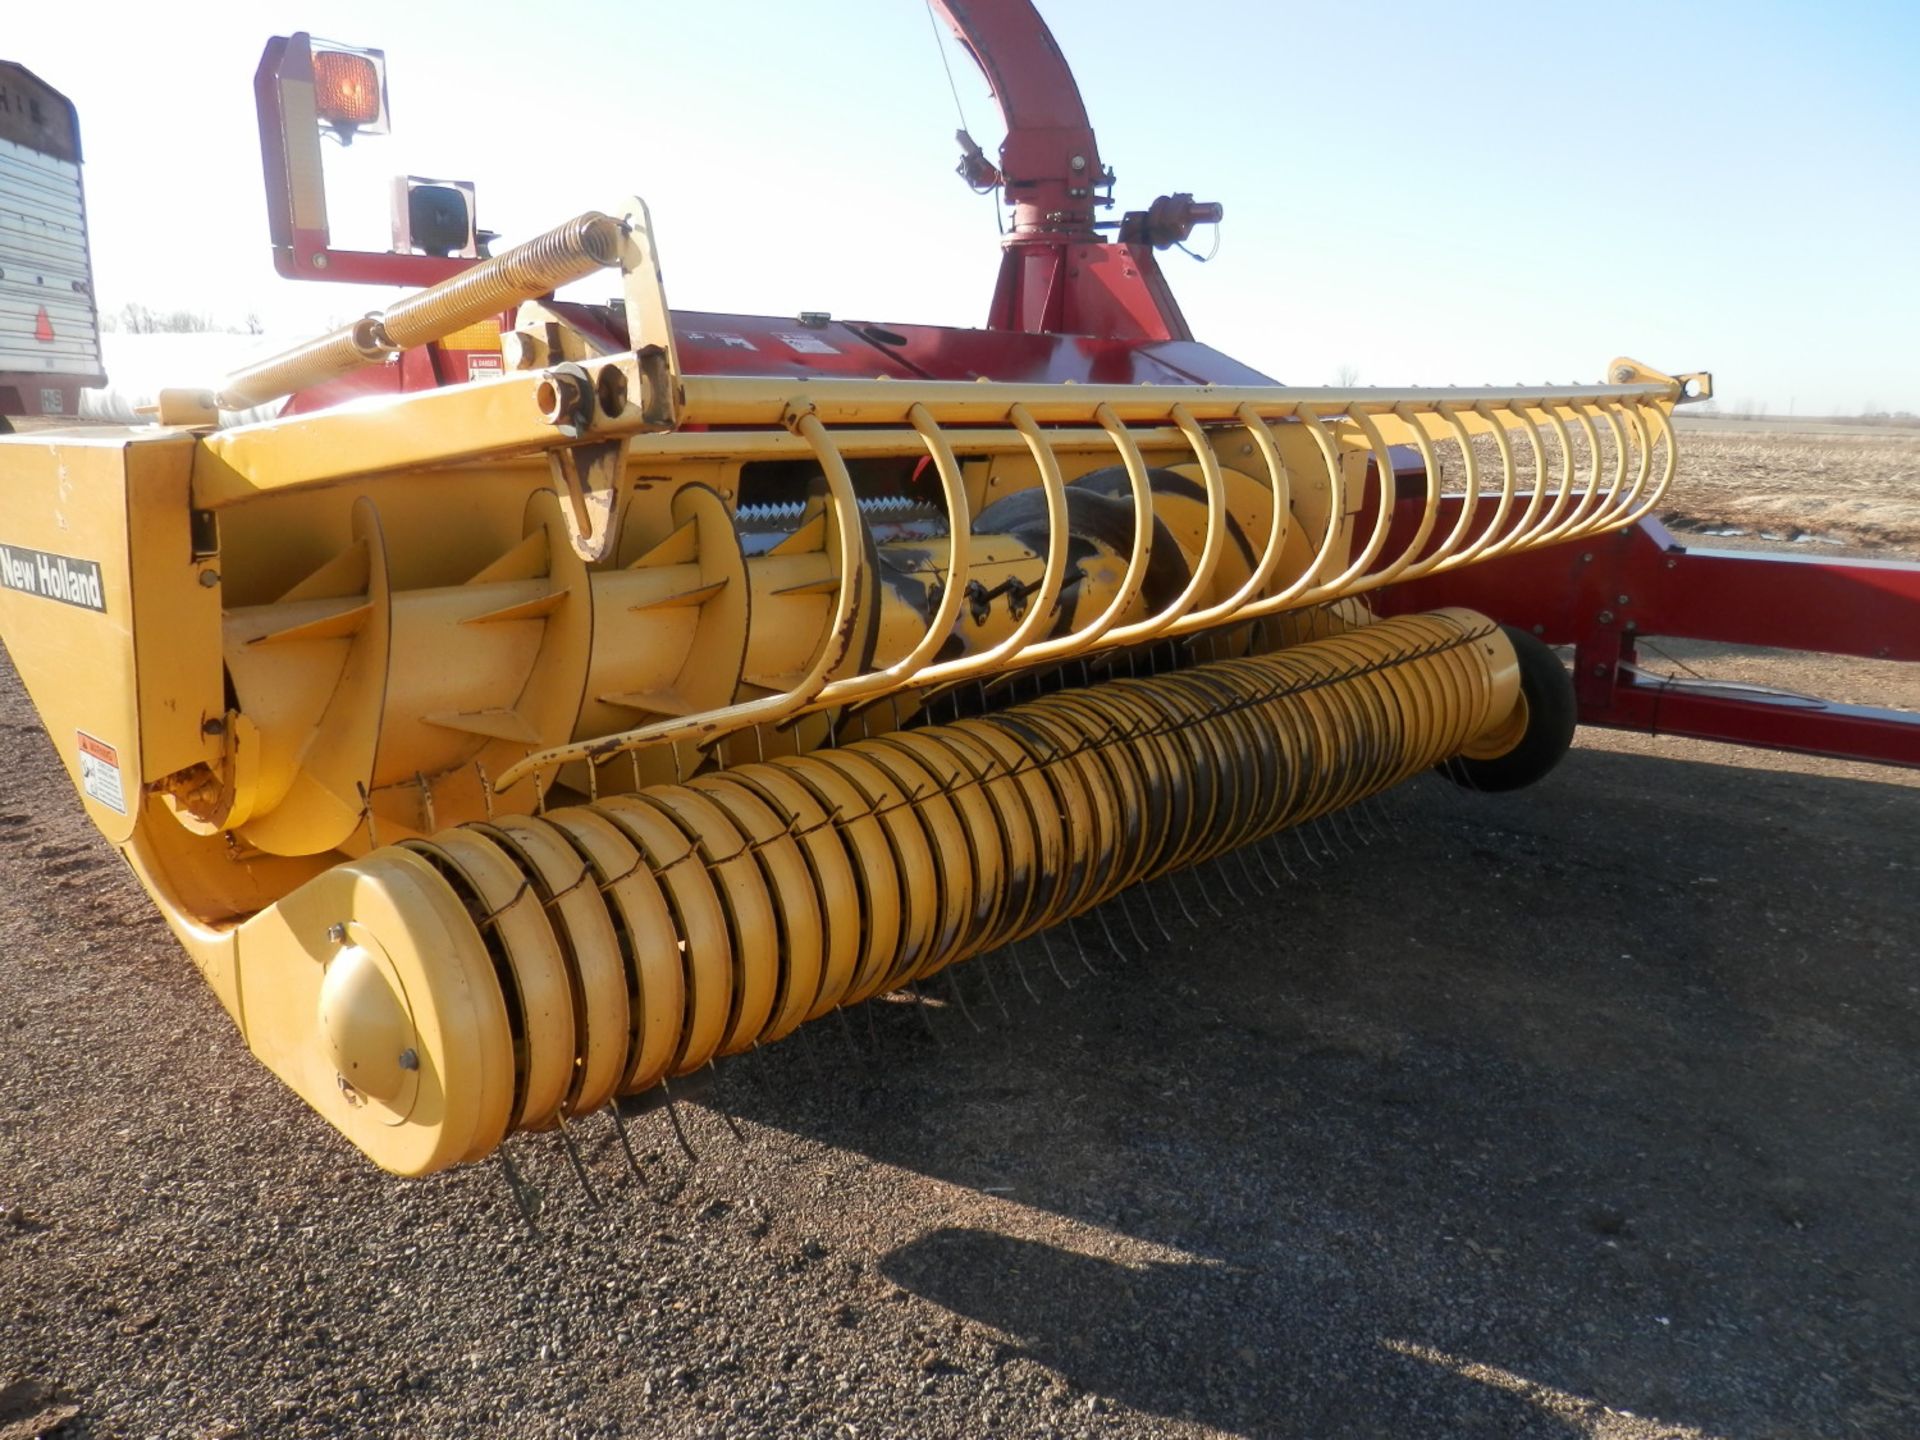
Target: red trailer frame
{"points": [[1603, 597]]}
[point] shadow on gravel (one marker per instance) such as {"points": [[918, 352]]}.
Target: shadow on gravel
{"points": [[1104, 1325], [1592, 1087]]}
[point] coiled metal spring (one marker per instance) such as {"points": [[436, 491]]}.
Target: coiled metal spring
{"points": [[568, 252]]}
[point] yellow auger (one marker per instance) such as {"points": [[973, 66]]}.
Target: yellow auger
{"points": [[501, 749]]}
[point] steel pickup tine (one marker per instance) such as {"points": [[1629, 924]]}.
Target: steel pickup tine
{"points": [[1047, 946], [626, 1142], [1013, 954], [1124, 901], [672, 1107], [1246, 869], [846, 1034], [526, 1196], [1193, 871], [1146, 893], [993, 987], [920, 1008], [1113, 945], [733, 1125], [1072, 928], [1300, 833], [960, 1001], [1274, 843], [1345, 817], [578, 1165], [1273, 881]]}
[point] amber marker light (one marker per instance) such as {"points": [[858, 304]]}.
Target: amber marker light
{"points": [[349, 91]]}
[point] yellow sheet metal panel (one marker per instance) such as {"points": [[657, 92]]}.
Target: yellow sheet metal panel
{"points": [[174, 562], [452, 1078], [105, 613]]}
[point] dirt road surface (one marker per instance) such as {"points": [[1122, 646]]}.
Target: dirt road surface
{"points": [[1588, 1111]]}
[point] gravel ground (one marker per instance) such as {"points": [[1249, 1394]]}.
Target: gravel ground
{"points": [[1589, 1111]]}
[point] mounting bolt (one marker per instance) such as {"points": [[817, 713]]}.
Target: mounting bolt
{"points": [[319, 262], [1632, 625], [337, 932], [215, 726], [209, 579], [409, 1059], [520, 352], [1606, 617], [1622, 374], [1587, 559], [1016, 597], [1600, 670], [979, 603], [1673, 564], [1624, 599]]}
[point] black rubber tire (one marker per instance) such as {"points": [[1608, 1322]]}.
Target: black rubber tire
{"points": [[1552, 712]]}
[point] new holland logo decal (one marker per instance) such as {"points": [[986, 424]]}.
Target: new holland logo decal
{"points": [[52, 577]]}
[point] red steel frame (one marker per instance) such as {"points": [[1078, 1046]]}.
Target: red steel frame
{"points": [[1070, 292], [1603, 596]]}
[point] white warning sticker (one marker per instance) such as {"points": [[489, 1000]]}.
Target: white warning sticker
{"points": [[802, 343], [720, 337], [100, 773]]}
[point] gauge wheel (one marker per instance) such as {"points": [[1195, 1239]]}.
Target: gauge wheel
{"points": [[1537, 735]]}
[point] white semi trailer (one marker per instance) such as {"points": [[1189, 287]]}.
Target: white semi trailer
{"points": [[49, 325]]}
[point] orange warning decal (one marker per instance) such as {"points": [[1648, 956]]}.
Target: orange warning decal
{"points": [[43, 326], [100, 773]]}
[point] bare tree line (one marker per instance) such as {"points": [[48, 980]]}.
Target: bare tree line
{"points": [[133, 318]]}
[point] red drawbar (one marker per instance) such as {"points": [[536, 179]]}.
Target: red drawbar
{"points": [[1602, 595]]}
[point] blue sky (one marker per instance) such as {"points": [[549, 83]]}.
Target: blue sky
{"points": [[1427, 194]]}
